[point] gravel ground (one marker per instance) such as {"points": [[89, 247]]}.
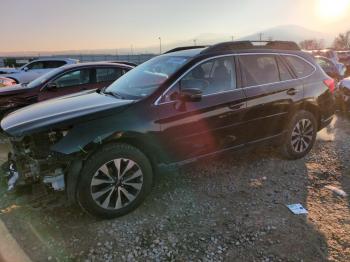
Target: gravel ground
{"points": [[232, 208]]}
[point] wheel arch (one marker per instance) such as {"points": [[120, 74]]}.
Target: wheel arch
{"points": [[312, 108]]}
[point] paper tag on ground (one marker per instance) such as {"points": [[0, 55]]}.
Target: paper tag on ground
{"points": [[297, 209]]}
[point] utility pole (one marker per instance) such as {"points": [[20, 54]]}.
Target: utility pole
{"points": [[260, 36], [195, 42], [232, 37], [160, 45]]}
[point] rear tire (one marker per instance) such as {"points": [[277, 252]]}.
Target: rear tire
{"points": [[300, 136], [114, 181]]}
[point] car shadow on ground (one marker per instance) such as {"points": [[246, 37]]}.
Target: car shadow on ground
{"points": [[232, 207]]}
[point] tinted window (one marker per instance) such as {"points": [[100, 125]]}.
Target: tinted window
{"points": [[300, 67], [108, 74], [259, 69], [54, 64], [284, 72], [74, 78], [36, 65], [217, 75]]}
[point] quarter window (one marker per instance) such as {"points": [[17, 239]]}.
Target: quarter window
{"points": [[214, 76], [75, 78], [300, 67], [259, 69]]}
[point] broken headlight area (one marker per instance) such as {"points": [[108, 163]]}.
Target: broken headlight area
{"points": [[32, 161]]}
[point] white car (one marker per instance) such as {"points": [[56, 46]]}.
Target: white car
{"points": [[34, 69]]}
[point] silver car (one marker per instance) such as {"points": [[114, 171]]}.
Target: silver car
{"points": [[34, 69]]}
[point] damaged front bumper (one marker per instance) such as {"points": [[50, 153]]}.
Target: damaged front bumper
{"points": [[31, 160]]}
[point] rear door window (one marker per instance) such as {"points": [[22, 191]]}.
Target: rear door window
{"points": [[108, 74], [300, 67], [259, 69]]}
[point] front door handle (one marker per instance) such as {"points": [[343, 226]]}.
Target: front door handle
{"points": [[292, 92], [236, 106]]}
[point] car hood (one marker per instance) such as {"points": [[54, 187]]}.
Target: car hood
{"points": [[6, 70], [62, 112]]}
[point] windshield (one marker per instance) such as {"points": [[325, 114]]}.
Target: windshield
{"points": [[44, 78], [147, 77]]}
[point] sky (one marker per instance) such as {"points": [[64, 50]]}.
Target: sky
{"points": [[56, 25]]}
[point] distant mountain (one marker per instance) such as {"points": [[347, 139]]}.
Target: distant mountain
{"points": [[290, 33]]}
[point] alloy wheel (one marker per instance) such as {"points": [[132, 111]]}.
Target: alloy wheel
{"points": [[302, 135], [116, 184]]}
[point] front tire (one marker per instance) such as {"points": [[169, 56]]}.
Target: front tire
{"points": [[114, 181], [300, 136]]}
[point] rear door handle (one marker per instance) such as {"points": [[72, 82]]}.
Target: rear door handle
{"points": [[292, 91], [236, 106]]}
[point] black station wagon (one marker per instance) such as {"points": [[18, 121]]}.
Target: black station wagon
{"points": [[104, 147]]}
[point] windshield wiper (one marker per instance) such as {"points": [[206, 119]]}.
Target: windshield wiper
{"points": [[116, 95]]}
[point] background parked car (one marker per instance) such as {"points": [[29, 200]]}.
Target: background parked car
{"points": [[329, 67], [342, 95], [331, 55], [344, 57], [123, 62], [61, 81], [34, 69]]}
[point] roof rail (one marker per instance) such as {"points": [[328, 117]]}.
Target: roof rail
{"points": [[239, 45], [182, 48]]}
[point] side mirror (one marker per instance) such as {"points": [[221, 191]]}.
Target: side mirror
{"points": [[25, 69], [51, 86], [190, 95]]}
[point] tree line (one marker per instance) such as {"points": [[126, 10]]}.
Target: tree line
{"points": [[341, 42]]}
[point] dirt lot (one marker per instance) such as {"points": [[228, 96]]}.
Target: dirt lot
{"points": [[226, 209]]}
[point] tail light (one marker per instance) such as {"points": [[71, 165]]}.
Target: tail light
{"points": [[330, 83], [7, 81]]}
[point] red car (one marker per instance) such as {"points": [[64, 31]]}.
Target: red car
{"points": [[59, 82]]}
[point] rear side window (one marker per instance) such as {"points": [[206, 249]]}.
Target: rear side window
{"points": [[300, 67], [53, 64], [108, 74], [259, 69]]}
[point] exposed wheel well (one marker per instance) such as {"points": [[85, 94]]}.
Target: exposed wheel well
{"points": [[313, 110]]}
